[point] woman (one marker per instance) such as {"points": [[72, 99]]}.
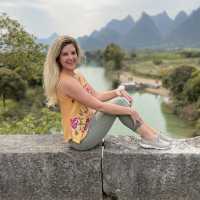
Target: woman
{"points": [[87, 115]]}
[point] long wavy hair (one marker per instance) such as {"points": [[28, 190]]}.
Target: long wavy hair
{"points": [[52, 67]]}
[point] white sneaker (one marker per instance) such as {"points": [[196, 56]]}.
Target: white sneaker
{"points": [[165, 137], [156, 143]]}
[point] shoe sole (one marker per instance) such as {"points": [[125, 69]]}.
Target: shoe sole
{"points": [[146, 146]]}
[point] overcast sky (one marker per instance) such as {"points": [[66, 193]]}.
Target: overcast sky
{"points": [[81, 17]]}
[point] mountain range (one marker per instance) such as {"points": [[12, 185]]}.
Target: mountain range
{"points": [[157, 31]]}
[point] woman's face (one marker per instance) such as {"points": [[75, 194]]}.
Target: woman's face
{"points": [[68, 57]]}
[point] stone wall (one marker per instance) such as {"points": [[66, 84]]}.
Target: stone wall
{"points": [[43, 167]]}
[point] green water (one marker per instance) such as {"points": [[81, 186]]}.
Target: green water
{"points": [[149, 106]]}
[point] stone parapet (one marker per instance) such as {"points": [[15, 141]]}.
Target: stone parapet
{"points": [[43, 167]]}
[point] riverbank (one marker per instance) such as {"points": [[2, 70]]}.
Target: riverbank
{"points": [[187, 113], [127, 77]]}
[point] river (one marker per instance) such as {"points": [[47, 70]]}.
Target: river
{"points": [[149, 106]]}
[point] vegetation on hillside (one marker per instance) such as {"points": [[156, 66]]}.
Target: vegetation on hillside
{"points": [[184, 84], [22, 107]]}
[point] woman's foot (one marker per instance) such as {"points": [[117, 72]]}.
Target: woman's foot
{"points": [[162, 135], [165, 137], [150, 138], [155, 143]]}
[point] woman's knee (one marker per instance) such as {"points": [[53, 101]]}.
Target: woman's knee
{"points": [[122, 101]]}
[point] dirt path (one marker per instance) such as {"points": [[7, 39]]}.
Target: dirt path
{"points": [[126, 76]]}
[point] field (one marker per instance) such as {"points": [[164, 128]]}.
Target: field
{"points": [[152, 63]]}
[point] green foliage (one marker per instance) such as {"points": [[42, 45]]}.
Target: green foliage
{"points": [[198, 126], [149, 55], [115, 53], [20, 52], [110, 65], [190, 54], [192, 88], [157, 61], [133, 54], [184, 82], [164, 72], [33, 102], [21, 65], [96, 56], [177, 79], [12, 86], [40, 123]]}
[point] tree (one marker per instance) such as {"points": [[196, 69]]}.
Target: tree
{"points": [[177, 79], [133, 54], [12, 86], [20, 52], [192, 88], [115, 53], [94, 56], [157, 61]]}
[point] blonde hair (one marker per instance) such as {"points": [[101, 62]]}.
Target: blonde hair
{"points": [[52, 67]]}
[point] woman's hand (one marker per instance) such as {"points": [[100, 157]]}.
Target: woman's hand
{"points": [[120, 91], [125, 94]]}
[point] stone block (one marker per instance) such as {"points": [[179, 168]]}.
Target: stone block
{"points": [[133, 173], [43, 167]]}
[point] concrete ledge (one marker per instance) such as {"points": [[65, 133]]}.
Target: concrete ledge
{"points": [[132, 173], [43, 167]]}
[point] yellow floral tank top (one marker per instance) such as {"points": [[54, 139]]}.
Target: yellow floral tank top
{"points": [[75, 116]]}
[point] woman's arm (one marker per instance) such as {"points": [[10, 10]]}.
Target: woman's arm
{"points": [[106, 95], [110, 94], [71, 87]]}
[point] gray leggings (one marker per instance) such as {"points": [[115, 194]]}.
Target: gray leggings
{"points": [[101, 123]]}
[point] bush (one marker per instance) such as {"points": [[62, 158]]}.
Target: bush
{"points": [[197, 128], [191, 54], [192, 88], [177, 79], [114, 53], [41, 123], [163, 72], [157, 61], [133, 55], [20, 51], [109, 65], [12, 86]]}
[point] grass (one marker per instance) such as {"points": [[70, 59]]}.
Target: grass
{"points": [[144, 56], [146, 69], [144, 63]]}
